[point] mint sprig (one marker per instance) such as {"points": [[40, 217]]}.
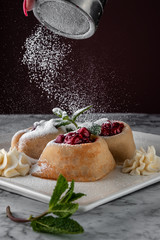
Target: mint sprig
{"points": [[62, 205], [65, 119]]}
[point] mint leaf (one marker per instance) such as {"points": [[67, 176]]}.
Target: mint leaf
{"points": [[64, 210], [65, 115], [60, 113], [95, 129], [71, 196], [60, 188], [68, 194], [53, 225], [57, 111], [80, 111], [60, 123], [76, 196]]}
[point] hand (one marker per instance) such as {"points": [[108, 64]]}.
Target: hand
{"points": [[28, 6]]}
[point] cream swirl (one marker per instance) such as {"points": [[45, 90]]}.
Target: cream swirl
{"points": [[143, 162], [14, 163]]}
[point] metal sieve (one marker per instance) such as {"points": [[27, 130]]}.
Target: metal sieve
{"points": [[76, 19]]}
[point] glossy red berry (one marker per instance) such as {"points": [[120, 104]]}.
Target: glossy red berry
{"points": [[111, 128], [84, 132], [60, 138]]}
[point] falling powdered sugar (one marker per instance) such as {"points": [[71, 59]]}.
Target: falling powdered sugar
{"points": [[45, 56], [72, 79], [50, 69]]}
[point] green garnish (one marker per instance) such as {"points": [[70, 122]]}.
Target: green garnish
{"points": [[79, 112], [65, 119], [95, 129], [52, 225], [61, 206]]}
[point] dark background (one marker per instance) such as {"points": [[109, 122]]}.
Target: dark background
{"points": [[116, 70]]}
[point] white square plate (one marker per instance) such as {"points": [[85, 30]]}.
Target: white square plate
{"points": [[113, 186]]}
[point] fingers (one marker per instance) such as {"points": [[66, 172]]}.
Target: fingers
{"points": [[24, 8], [28, 6]]}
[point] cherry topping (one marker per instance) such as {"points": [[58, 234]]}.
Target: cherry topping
{"points": [[81, 136], [73, 138], [84, 132], [111, 128], [60, 138]]}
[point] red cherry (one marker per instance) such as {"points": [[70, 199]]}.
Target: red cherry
{"points": [[84, 132], [111, 128], [77, 140], [60, 138]]}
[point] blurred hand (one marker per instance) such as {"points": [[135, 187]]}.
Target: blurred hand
{"points": [[28, 6]]}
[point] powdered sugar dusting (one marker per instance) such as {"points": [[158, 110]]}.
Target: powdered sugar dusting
{"points": [[50, 69], [72, 80], [38, 168], [45, 55], [44, 128], [101, 121]]}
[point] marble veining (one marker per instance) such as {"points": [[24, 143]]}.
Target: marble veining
{"points": [[135, 216]]}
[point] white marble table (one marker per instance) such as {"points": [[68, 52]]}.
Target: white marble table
{"points": [[135, 216]]}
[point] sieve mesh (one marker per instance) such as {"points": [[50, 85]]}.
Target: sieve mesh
{"points": [[64, 17]]}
